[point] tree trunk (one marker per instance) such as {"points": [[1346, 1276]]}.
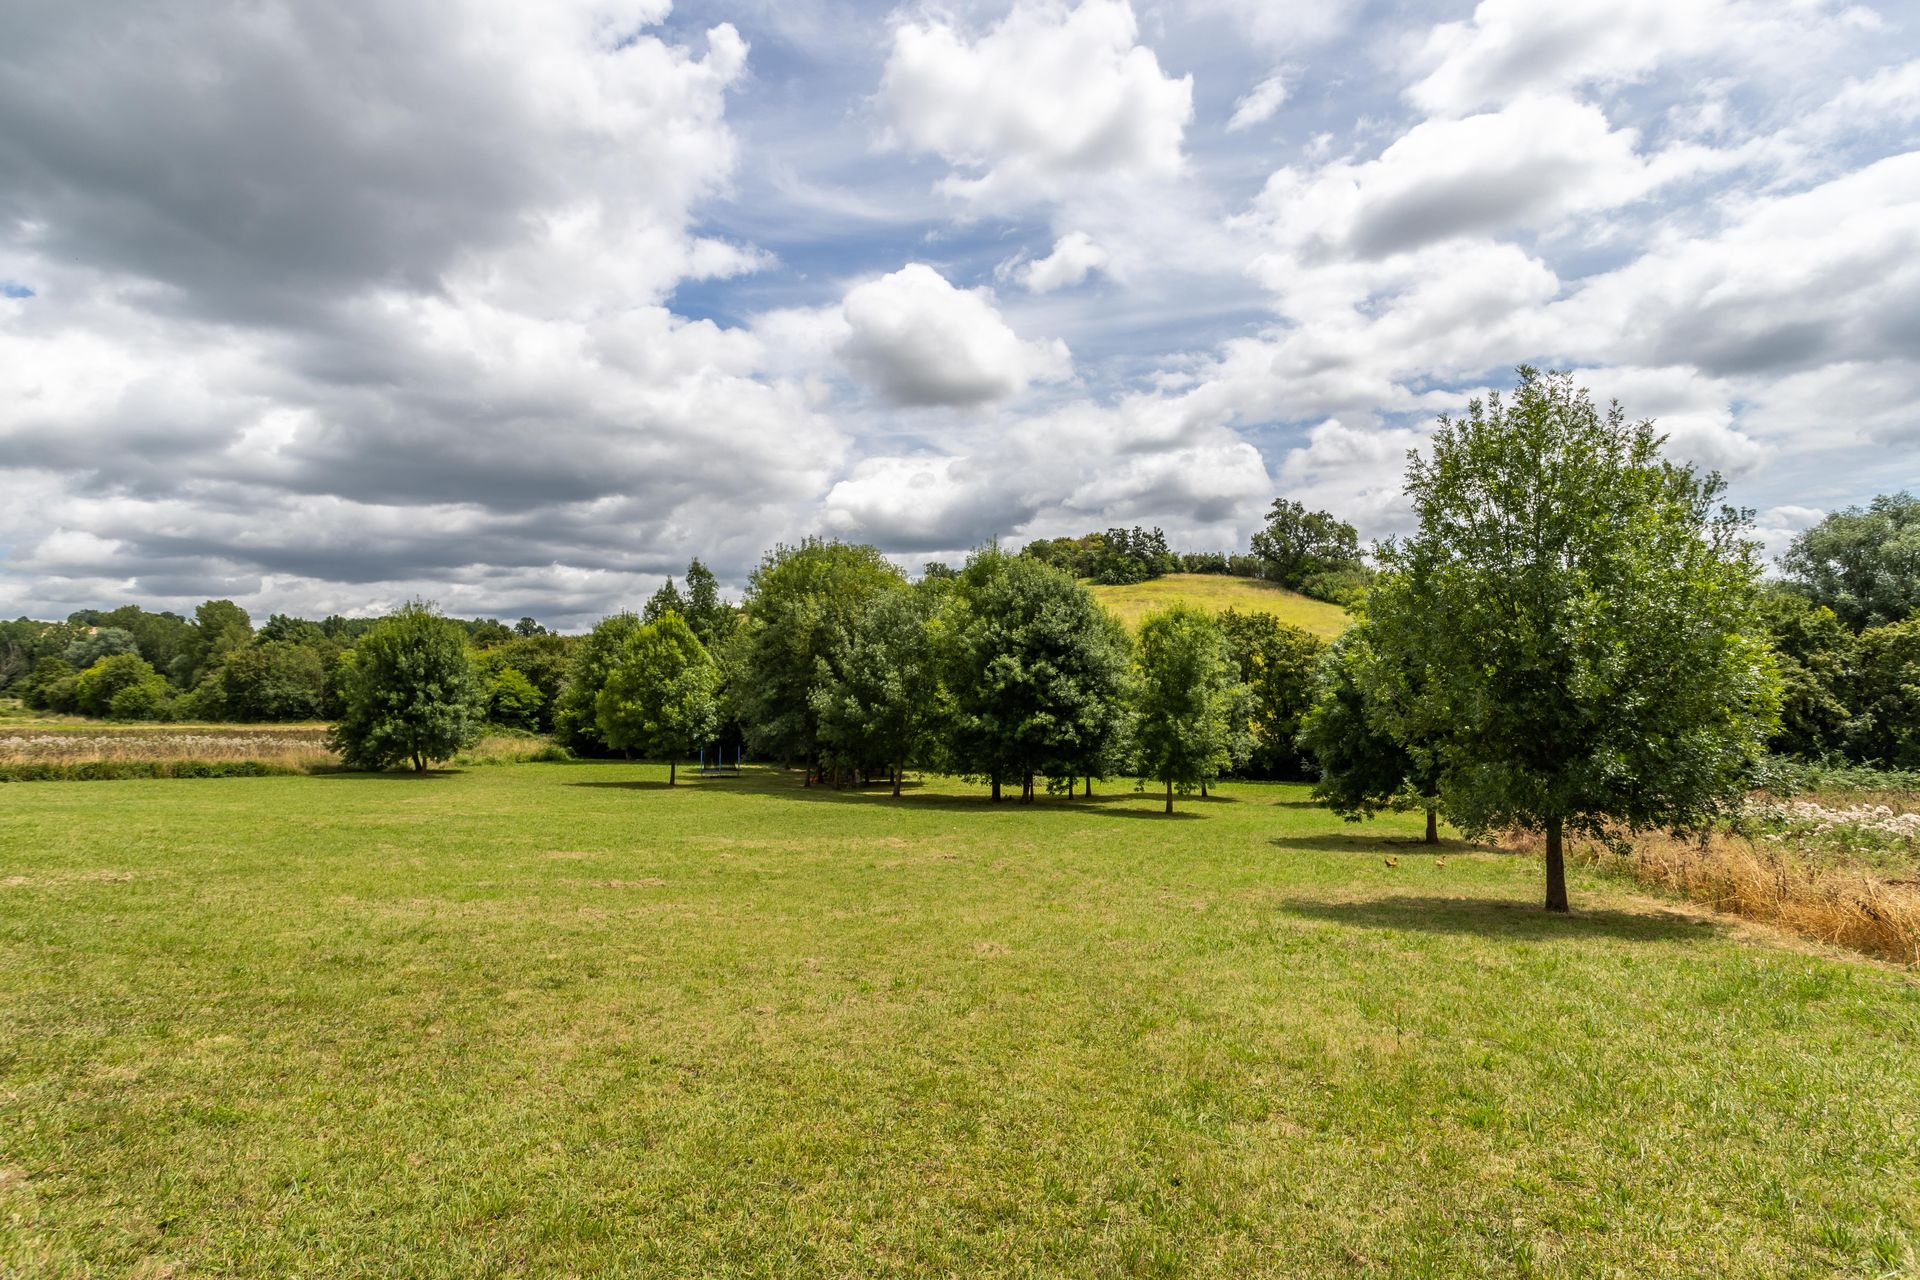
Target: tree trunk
{"points": [[1433, 825], [1169, 795], [1203, 788], [673, 776], [1556, 867], [1089, 786], [1026, 790], [899, 768], [419, 763], [996, 791]]}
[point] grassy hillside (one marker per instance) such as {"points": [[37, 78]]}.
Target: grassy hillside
{"points": [[552, 1020], [1216, 592]]}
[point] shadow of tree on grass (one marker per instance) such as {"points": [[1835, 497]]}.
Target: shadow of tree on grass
{"points": [[1500, 918]]}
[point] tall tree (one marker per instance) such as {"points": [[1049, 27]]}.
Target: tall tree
{"points": [[879, 698], [660, 695], [664, 601], [1184, 699], [1885, 693], [219, 628], [800, 601], [576, 724], [1578, 618], [1864, 564], [1298, 544], [711, 618], [1816, 656], [411, 693], [1277, 663], [1035, 672]]}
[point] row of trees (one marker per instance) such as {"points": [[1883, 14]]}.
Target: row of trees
{"points": [[1007, 671], [1312, 552]]}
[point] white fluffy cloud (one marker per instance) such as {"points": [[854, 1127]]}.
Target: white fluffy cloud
{"points": [[1259, 103], [1074, 257], [1514, 48], [517, 307], [917, 340], [1527, 166], [1047, 98]]}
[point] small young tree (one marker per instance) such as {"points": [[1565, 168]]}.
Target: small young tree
{"points": [[1576, 621], [1184, 699], [410, 692], [660, 695], [879, 697]]}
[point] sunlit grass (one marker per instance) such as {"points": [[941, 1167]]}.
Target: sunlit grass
{"points": [[560, 1020], [1215, 592]]}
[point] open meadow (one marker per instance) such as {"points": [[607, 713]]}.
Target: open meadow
{"points": [[556, 1019]]}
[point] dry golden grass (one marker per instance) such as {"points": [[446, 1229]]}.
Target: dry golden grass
{"points": [[275, 744], [1840, 901]]}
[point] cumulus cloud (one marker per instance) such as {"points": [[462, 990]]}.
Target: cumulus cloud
{"points": [[1046, 98], [1514, 48], [1074, 257], [517, 307], [917, 340], [1524, 167]]}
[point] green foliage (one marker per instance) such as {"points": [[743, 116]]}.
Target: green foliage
{"points": [[713, 620], [1117, 557], [411, 693], [1863, 563], [49, 687], [660, 697], [878, 700], [94, 688], [576, 723], [512, 701], [540, 659], [1185, 699], [800, 601], [1299, 546], [274, 681], [1575, 624], [1035, 673], [1364, 768], [148, 698], [1277, 664], [1814, 653], [1885, 728], [220, 627], [90, 647], [664, 601]]}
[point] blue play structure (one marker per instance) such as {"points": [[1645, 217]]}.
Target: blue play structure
{"points": [[718, 767]]}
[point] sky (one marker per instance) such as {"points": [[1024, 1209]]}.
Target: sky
{"points": [[517, 307]]}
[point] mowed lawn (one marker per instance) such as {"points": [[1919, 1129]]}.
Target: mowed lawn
{"points": [[558, 1020]]}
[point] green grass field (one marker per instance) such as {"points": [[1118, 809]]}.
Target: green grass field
{"points": [[558, 1020], [1214, 592]]}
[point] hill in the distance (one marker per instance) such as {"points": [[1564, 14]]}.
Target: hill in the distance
{"points": [[1215, 592]]}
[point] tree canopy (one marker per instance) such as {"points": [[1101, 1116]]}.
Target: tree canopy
{"points": [[659, 698], [410, 692], [1579, 616], [1186, 699], [1862, 563]]}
